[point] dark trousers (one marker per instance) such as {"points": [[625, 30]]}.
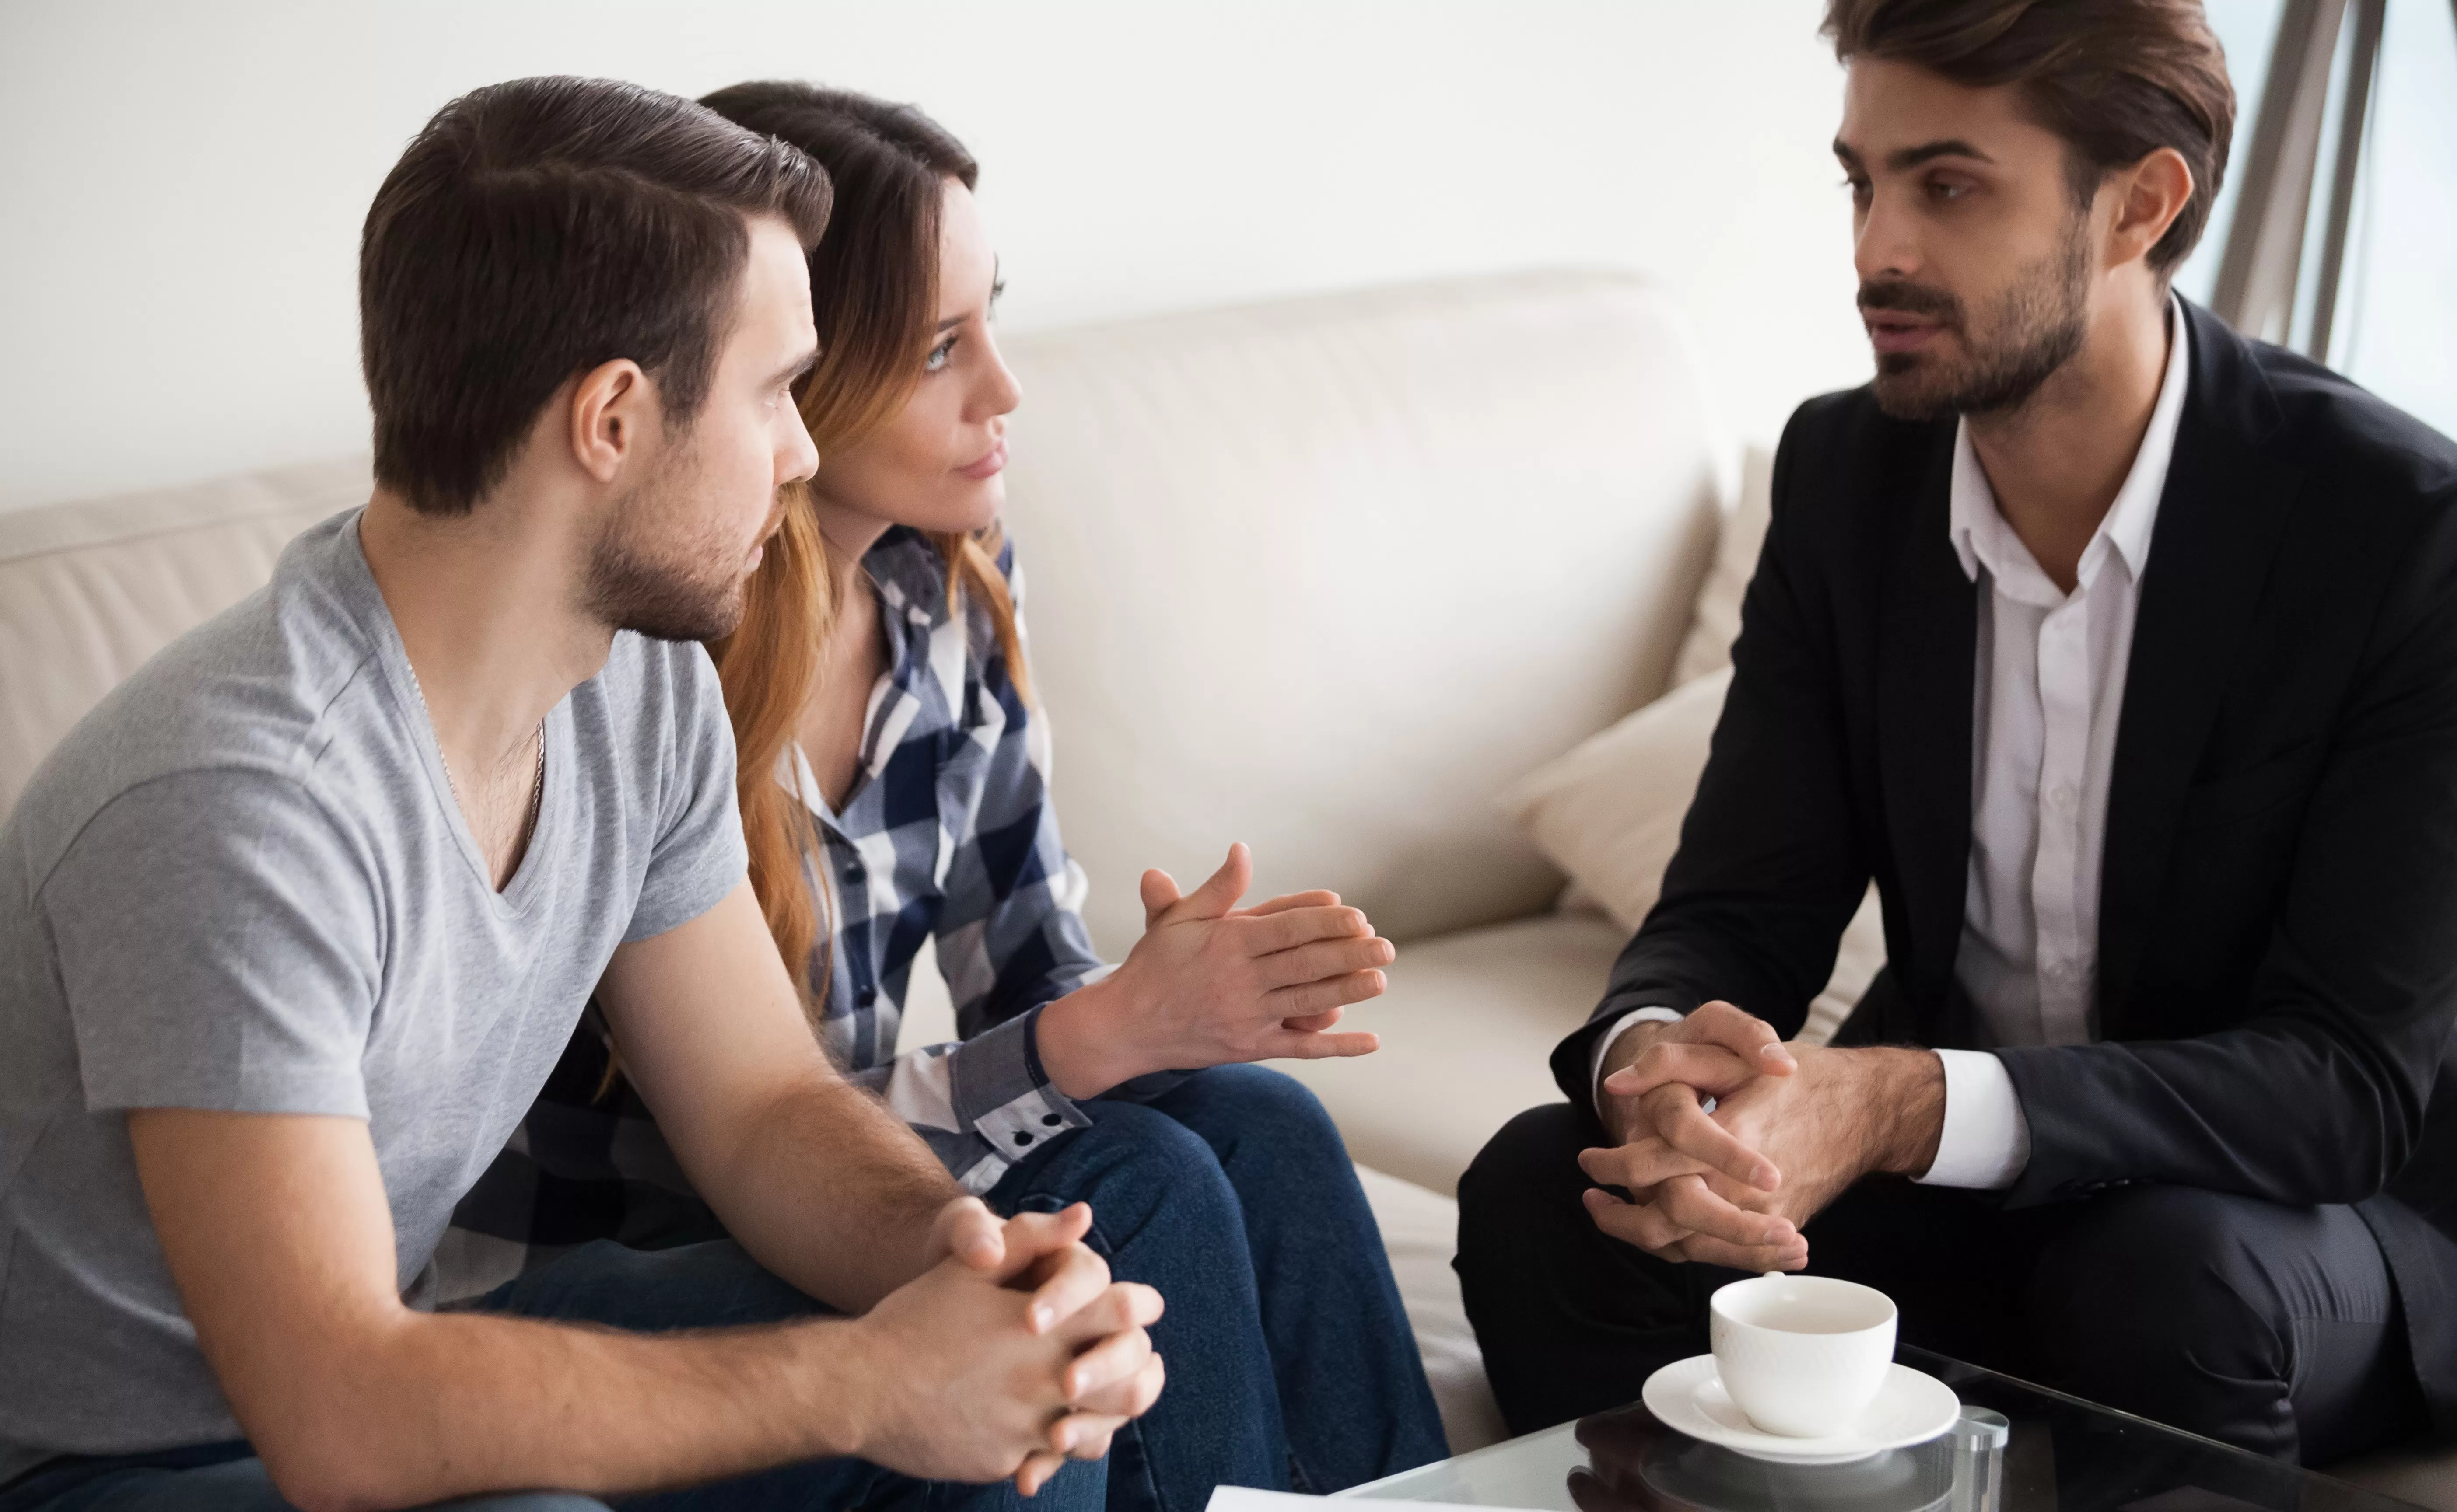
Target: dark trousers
{"points": [[2275, 1329], [1289, 1359]]}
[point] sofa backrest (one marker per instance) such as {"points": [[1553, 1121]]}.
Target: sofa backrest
{"points": [[89, 590], [1321, 575]]}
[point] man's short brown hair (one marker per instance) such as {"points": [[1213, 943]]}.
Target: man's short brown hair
{"points": [[2118, 79], [536, 230]]}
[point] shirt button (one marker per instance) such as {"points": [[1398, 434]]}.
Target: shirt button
{"points": [[1051, 1120], [855, 872], [2061, 795], [868, 996], [1022, 1139]]}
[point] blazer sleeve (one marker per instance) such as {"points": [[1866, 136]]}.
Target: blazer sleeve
{"points": [[2318, 1095], [1768, 871]]}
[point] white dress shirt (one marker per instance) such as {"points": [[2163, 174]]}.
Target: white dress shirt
{"points": [[2047, 691]]}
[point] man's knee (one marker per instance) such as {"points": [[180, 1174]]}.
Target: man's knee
{"points": [[1532, 1164], [2150, 1270], [1519, 1200], [2153, 1295], [1571, 1321]]}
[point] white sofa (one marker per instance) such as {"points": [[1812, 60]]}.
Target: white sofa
{"points": [[1331, 576]]}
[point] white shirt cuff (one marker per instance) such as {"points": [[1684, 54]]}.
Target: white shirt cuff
{"points": [[1986, 1141], [1635, 1017]]}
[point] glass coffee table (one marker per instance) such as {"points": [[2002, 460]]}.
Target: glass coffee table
{"points": [[2062, 1455]]}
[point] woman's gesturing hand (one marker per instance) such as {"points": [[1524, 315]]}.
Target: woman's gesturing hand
{"points": [[1210, 983]]}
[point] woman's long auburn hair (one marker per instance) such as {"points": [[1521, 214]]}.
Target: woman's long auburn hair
{"points": [[875, 299]]}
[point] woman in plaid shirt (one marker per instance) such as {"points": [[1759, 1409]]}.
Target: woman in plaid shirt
{"points": [[893, 788]]}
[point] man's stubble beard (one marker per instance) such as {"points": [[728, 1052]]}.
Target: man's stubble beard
{"points": [[2035, 325], [642, 577]]}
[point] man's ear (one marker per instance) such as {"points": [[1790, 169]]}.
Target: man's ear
{"points": [[613, 411], [2149, 196]]}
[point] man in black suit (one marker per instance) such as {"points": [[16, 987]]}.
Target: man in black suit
{"points": [[2122, 653]]}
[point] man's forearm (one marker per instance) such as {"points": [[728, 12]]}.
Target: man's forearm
{"points": [[821, 1184], [1892, 1098], [832, 1192], [456, 1403], [1900, 1092]]}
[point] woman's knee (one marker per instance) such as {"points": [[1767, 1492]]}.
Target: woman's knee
{"points": [[1253, 1111], [1138, 1168]]}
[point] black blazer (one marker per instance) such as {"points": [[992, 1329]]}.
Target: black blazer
{"points": [[2278, 914]]}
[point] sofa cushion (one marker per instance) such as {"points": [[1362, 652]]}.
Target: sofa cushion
{"points": [[1716, 622], [90, 590], [1322, 574], [1466, 1027], [1608, 812]]}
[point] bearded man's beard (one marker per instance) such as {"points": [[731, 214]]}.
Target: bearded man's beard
{"points": [[643, 576], [2034, 327]]}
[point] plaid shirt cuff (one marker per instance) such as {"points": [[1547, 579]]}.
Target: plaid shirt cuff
{"points": [[1000, 1092]]}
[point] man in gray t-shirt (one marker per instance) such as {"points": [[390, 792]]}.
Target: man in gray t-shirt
{"points": [[244, 884], [294, 922]]}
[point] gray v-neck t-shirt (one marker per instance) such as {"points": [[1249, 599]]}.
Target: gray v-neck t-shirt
{"points": [[242, 884]]}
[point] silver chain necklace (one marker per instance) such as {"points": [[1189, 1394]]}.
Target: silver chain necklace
{"points": [[537, 785]]}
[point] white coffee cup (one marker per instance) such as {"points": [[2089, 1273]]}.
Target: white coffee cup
{"points": [[1801, 1354]]}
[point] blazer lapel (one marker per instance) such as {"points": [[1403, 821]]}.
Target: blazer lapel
{"points": [[1928, 638], [2218, 524]]}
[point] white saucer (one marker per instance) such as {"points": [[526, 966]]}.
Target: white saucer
{"points": [[1688, 1397]]}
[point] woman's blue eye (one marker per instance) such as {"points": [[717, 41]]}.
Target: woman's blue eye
{"points": [[938, 355]]}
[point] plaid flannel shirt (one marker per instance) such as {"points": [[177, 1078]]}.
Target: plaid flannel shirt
{"points": [[948, 833]]}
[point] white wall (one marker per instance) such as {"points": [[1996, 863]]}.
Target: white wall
{"points": [[182, 183]]}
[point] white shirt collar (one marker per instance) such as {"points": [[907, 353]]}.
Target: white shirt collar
{"points": [[1982, 539]]}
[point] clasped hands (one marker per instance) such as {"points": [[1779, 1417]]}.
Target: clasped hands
{"points": [[1013, 1352], [1791, 1126], [1210, 983]]}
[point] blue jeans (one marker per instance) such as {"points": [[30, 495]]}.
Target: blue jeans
{"points": [[1290, 1362], [712, 1285]]}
